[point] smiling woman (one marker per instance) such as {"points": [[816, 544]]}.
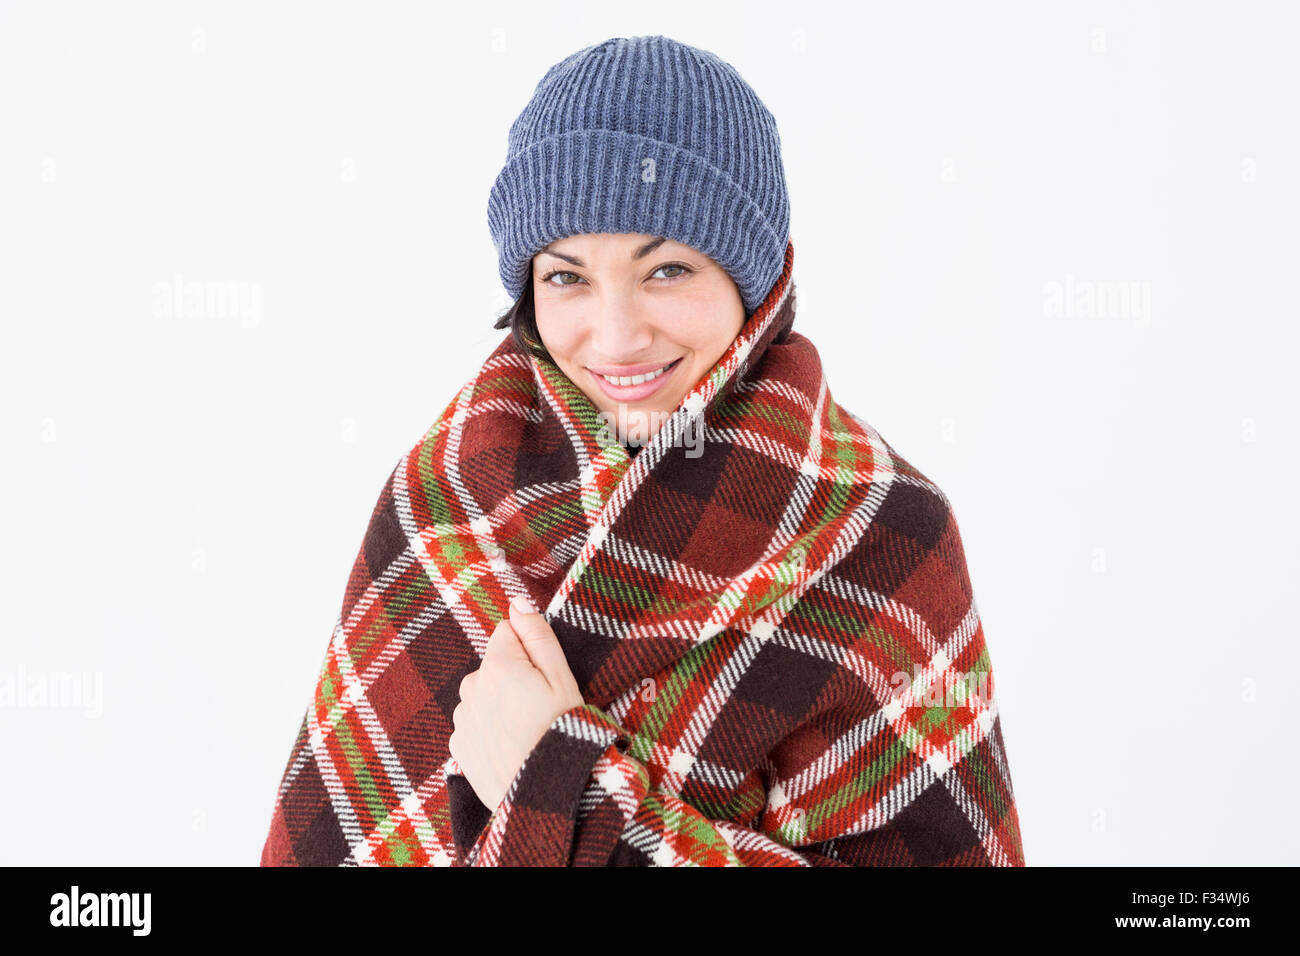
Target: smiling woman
{"points": [[678, 303], [757, 637], [633, 320]]}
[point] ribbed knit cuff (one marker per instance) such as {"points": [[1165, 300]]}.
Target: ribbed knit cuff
{"points": [[594, 180]]}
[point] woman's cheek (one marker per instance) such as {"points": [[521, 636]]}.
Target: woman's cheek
{"points": [[559, 340]]}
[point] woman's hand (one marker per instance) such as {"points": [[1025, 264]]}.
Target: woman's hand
{"points": [[522, 685]]}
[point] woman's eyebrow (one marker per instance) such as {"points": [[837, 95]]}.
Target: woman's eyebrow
{"points": [[640, 253]]}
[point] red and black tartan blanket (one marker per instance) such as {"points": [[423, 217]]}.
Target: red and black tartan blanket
{"points": [[772, 627]]}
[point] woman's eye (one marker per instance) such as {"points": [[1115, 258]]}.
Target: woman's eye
{"points": [[550, 275], [674, 265]]}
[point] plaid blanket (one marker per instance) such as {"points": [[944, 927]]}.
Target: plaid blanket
{"points": [[772, 627]]}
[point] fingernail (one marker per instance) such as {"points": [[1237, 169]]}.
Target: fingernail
{"points": [[522, 603]]}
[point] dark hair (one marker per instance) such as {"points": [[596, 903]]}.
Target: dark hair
{"points": [[521, 319]]}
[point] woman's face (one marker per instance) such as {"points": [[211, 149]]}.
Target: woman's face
{"points": [[627, 304]]}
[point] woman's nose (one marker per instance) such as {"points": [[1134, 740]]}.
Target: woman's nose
{"points": [[621, 333]]}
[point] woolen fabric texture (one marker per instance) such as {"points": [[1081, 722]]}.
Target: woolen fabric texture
{"points": [[645, 135], [776, 640]]}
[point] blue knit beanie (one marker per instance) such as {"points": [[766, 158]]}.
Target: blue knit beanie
{"points": [[645, 135]]}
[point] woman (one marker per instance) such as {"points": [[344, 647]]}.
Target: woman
{"points": [[759, 643]]}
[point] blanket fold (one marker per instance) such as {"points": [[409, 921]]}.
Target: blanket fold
{"points": [[766, 608]]}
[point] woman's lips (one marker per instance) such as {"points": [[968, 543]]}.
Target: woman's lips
{"points": [[630, 393]]}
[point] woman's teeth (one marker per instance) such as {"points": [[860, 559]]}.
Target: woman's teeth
{"points": [[634, 379]]}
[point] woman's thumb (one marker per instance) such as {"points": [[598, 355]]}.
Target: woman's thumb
{"points": [[539, 641]]}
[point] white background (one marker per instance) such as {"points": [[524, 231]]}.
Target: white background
{"points": [[182, 497]]}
